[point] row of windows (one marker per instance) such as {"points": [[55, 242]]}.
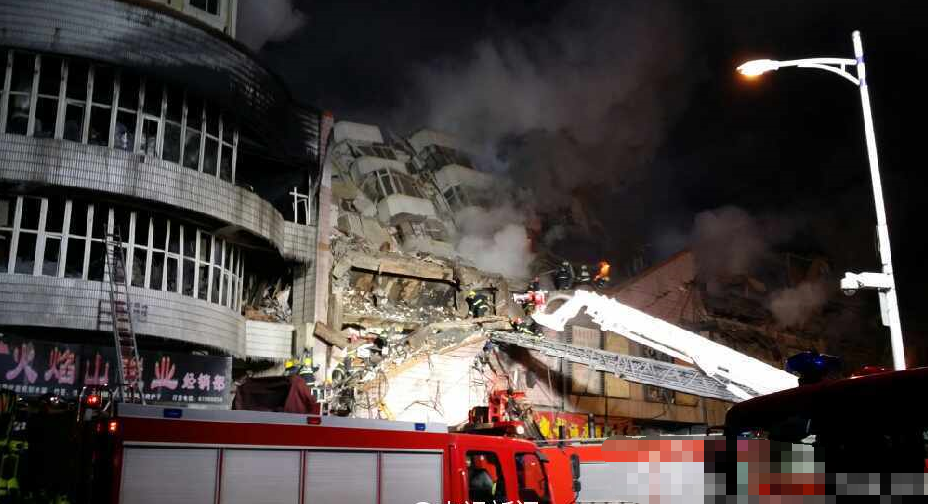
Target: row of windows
{"points": [[435, 157], [210, 6], [65, 238], [384, 182], [460, 196], [48, 96], [379, 151]]}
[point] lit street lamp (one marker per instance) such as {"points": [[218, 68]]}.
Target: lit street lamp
{"points": [[883, 282]]}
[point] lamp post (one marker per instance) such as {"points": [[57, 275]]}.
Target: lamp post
{"points": [[883, 282]]}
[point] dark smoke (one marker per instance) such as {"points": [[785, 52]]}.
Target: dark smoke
{"points": [[584, 101], [262, 21]]}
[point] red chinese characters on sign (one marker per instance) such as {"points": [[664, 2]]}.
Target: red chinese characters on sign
{"points": [[23, 355], [61, 367], [94, 377], [133, 372], [164, 375]]}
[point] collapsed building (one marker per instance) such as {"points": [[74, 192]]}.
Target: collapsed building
{"points": [[393, 267]]}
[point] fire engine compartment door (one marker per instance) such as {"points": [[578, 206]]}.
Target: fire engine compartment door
{"points": [[335, 476], [159, 475], [411, 477], [265, 476]]}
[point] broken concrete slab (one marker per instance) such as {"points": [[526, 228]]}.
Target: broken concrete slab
{"points": [[330, 336]]}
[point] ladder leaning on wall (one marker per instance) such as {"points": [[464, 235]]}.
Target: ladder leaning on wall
{"points": [[127, 351]]}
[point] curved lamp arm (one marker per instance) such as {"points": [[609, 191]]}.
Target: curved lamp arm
{"points": [[834, 65]]}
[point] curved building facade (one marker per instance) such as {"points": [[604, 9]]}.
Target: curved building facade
{"points": [[147, 120]]}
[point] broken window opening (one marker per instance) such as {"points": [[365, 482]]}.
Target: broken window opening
{"points": [[6, 241], [384, 182], [436, 157], [68, 98], [25, 253], [210, 6], [44, 223], [20, 93]]}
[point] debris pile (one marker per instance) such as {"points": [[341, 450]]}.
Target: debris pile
{"points": [[367, 304], [273, 305]]}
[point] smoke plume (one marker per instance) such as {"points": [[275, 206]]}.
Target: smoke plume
{"points": [[793, 306], [495, 240], [263, 21], [586, 100], [728, 241]]}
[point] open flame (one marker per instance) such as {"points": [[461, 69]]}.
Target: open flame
{"points": [[603, 272]]}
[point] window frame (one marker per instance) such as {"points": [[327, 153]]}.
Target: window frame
{"points": [[225, 136], [520, 477], [501, 491], [224, 265]]}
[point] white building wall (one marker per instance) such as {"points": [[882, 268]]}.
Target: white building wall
{"points": [[268, 340], [345, 130], [397, 204], [422, 138], [454, 175]]}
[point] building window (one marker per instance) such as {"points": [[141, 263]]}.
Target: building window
{"points": [[384, 182], [63, 238], [485, 481], [48, 96], [21, 75], [533, 482], [379, 151], [210, 6], [435, 157], [7, 212]]}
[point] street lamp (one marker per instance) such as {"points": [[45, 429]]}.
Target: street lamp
{"points": [[883, 283]]}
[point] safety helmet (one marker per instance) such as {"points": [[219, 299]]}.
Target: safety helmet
{"points": [[517, 320], [288, 364], [471, 294], [565, 263], [583, 267]]}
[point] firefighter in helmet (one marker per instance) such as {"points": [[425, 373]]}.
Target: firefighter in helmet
{"points": [[584, 277], [477, 304], [564, 276], [525, 326], [534, 285]]}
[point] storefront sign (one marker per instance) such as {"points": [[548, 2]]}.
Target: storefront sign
{"points": [[36, 368]]}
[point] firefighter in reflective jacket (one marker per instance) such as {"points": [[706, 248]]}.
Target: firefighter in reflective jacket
{"points": [[478, 306], [564, 276], [584, 276]]}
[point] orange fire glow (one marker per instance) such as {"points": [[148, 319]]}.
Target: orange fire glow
{"points": [[603, 270]]}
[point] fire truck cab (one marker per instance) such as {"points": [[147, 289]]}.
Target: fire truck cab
{"points": [[863, 424], [152, 454]]}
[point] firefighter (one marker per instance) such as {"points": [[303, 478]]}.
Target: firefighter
{"points": [[564, 276], [525, 326], [584, 277], [534, 285], [478, 306]]}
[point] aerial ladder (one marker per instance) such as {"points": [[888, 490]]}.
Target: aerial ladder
{"points": [[719, 372]]}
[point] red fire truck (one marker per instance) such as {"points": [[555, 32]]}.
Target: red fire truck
{"points": [[152, 454]]}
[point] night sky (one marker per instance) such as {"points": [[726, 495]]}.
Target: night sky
{"points": [[790, 144]]}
